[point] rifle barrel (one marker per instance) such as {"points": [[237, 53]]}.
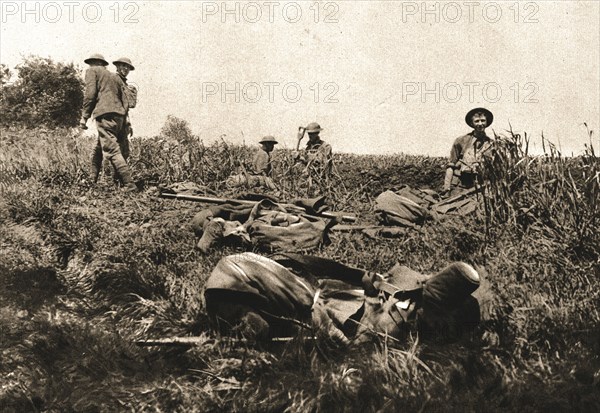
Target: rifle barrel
{"points": [[212, 200], [195, 341]]}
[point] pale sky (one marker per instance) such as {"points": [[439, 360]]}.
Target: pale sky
{"points": [[379, 76]]}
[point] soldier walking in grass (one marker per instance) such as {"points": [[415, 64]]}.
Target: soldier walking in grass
{"points": [[104, 100], [467, 152], [261, 165], [317, 152], [124, 66]]}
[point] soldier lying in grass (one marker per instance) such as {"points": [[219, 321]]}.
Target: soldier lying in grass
{"points": [[262, 298], [267, 225]]}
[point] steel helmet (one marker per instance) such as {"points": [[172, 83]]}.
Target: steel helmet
{"points": [[125, 61], [268, 139], [313, 127], [96, 57]]}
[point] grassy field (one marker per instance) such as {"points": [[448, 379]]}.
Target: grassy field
{"points": [[86, 270]]}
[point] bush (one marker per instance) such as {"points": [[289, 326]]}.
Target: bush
{"points": [[45, 93], [5, 74], [177, 129]]}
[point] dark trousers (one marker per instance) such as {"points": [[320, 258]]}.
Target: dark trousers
{"points": [[112, 140]]}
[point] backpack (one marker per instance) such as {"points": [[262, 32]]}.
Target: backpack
{"points": [[130, 93], [397, 210]]}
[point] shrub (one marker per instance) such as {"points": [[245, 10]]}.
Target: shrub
{"points": [[177, 129], [45, 93]]}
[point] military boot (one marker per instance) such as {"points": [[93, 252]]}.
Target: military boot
{"points": [[96, 164], [124, 173]]}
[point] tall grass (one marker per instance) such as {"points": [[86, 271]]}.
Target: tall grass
{"points": [[86, 270], [548, 193]]}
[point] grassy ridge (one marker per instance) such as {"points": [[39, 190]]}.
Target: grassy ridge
{"points": [[85, 270]]}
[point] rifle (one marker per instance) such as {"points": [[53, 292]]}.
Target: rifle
{"points": [[196, 341], [212, 200]]}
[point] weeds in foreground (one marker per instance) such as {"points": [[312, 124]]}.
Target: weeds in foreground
{"points": [[84, 271]]}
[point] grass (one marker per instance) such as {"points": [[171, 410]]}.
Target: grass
{"points": [[86, 270]]}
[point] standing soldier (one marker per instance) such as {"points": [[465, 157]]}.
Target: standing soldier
{"points": [[467, 151], [104, 100], [124, 66], [317, 153], [262, 161]]}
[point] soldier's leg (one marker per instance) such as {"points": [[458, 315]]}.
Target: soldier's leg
{"points": [[124, 140], [109, 127], [96, 161]]}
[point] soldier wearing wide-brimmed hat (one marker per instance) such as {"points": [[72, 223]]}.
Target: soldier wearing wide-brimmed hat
{"points": [[262, 160], [467, 151], [317, 152], [96, 60], [124, 61], [124, 66], [105, 101]]}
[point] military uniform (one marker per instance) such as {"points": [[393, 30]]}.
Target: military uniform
{"points": [[104, 101], [317, 153], [129, 103], [261, 165], [466, 153], [343, 303]]}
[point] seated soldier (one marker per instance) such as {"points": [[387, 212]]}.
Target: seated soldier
{"points": [[317, 153], [261, 164], [467, 152], [259, 174]]}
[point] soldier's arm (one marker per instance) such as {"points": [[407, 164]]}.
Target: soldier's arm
{"points": [[301, 132], [455, 152], [455, 155], [129, 127], [448, 178], [90, 96]]}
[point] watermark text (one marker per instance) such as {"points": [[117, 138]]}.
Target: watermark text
{"points": [[454, 92], [255, 92], [69, 11], [270, 11], [468, 11]]}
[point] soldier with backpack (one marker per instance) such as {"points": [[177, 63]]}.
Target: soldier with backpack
{"points": [[104, 100], [124, 66]]}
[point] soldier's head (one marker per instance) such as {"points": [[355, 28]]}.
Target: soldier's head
{"points": [[479, 119], [96, 60], [268, 143], [124, 66], [313, 129]]}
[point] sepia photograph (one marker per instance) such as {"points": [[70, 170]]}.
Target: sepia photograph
{"points": [[300, 206]]}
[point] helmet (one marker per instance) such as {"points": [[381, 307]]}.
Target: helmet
{"points": [[313, 127], [268, 139], [488, 115], [125, 61], [96, 57]]}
